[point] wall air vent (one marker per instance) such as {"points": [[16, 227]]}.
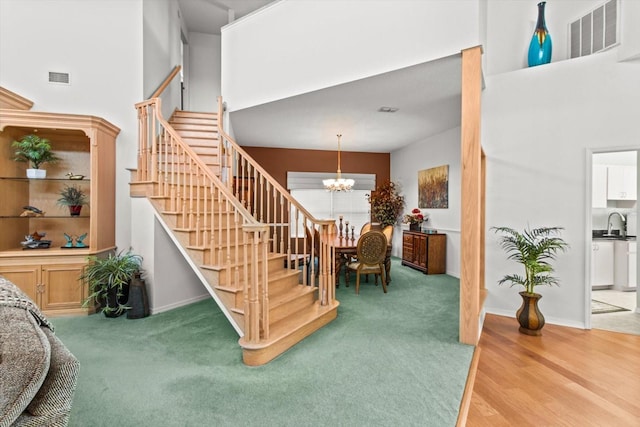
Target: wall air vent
{"points": [[596, 31], [60, 78], [387, 109]]}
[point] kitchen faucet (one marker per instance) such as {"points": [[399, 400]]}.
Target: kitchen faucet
{"points": [[623, 224]]}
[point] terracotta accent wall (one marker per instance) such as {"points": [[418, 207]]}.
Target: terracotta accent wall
{"points": [[278, 161]]}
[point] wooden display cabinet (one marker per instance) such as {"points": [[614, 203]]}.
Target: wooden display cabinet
{"points": [[86, 146], [424, 252]]}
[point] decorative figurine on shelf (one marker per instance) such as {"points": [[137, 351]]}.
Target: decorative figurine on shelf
{"points": [[340, 226], [72, 175], [32, 211], [79, 241], [69, 243], [34, 241]]}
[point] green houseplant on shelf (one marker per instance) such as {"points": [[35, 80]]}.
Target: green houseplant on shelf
{"points": [[386, 204], [73, 197], [534, 249], [108, 279], [35, 151]]}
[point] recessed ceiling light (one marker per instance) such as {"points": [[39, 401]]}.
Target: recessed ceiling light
{"points": [[387, 109]]}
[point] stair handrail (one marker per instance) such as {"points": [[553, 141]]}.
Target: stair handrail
{"points": [[166, 82], [152, 159], [324, 250]]}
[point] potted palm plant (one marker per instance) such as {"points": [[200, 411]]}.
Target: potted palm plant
{"points": [[534, 249], [73, 197], [36, 151], [109, 278]]}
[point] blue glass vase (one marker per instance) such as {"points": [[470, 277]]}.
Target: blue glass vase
{"points": [[540, 46]]}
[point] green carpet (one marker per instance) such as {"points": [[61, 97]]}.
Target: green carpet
{"points": [[387, 360]]}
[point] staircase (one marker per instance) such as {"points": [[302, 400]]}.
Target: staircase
{"points": [[239, 227]]}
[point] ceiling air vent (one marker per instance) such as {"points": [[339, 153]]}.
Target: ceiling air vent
{"points": [[595, 31], [61, 78]]}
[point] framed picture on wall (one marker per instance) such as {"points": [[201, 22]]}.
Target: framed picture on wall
{"points": [[433, 187]]}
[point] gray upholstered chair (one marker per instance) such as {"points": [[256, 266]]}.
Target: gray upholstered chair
{"points": [[38, 374]]}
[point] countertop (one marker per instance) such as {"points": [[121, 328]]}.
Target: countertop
{"points": [[615, 235]]}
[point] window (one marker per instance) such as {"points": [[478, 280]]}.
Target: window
{"points": [[306, 188]]}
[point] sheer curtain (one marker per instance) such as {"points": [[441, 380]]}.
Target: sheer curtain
{"points": [[306, 187]]}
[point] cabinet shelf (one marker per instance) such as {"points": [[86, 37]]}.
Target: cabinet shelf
{"points": [[45, 217], [25, 179], [50, 276]]}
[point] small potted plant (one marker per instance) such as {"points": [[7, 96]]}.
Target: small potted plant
{"points": [[533, 248], [36, 151], [414, 219], [109, 278], [73, 197]]}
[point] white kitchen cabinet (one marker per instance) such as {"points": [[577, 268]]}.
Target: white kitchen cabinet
{"points": [[625, 265], [621, 183], [599, 186], [602, 264]]}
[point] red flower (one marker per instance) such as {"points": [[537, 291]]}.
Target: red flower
{"points": [[415, 211]]}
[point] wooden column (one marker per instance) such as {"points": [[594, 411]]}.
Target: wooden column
{"points": [[472, 189]]}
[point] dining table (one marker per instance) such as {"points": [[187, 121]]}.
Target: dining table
{"points": [[346, 248]]}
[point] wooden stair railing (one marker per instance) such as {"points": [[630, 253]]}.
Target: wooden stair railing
{"points": [[239, 241], [272, 204]]}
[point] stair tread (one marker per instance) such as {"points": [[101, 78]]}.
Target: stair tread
{"points": [[272, 278], [271, 256], [289, 325]]}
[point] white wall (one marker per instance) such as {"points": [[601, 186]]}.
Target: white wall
{"points": [[204, 72], [162, 51], [79, 37], [294, 47], [630, 31], [442, 149], [538, 127], [510, 26]]}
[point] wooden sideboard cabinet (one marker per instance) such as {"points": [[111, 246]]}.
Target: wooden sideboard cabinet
{"points": [[85, 145], [425, 252]]}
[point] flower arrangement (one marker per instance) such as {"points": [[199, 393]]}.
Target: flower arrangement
{"points": [[386, 204], [415, 217]]}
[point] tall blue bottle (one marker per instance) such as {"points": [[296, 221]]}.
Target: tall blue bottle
{"points": [[540, 46]]}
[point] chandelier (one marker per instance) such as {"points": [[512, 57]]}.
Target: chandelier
{"points": [[338, 184]]}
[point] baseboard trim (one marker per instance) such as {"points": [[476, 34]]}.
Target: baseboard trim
{"points": [[465, 403], [177, 304]]}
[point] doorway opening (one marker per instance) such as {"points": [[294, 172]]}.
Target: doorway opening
{"points": [[613, 280]]}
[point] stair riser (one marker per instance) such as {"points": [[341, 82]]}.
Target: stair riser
{"points": [[224, 275], [200, 126], [198, 134], [223, 220], [206, 150], [165, 204], [190, 238], [283, 284], [286, 309], [191, 115], [219, 257]]}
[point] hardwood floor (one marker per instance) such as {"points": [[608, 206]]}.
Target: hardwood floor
{"points": [[566, 377]]}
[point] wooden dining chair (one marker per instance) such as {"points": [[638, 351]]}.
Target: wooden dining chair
{"points": [[372, 251], [365, 227], [388, 233]]}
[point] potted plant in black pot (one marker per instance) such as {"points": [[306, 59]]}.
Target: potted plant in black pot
{"points": [[73, 197], [534, 249], [36, 151], [108, 279]]}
